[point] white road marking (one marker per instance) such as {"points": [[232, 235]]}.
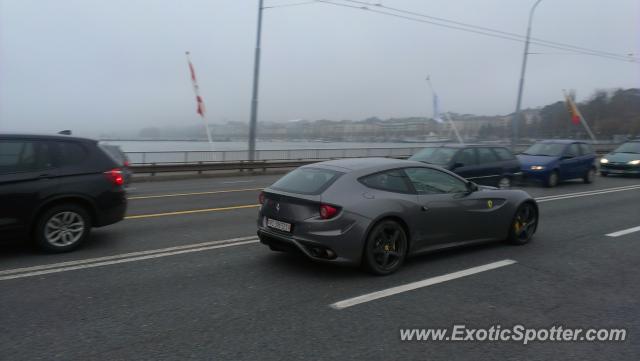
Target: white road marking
{"points": [[585, 194], [121, 258], [239, 181], [419, 284], [194, 193], [624, 232]]}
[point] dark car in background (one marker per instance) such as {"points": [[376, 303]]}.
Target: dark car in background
{"points": [[553, 161], [376, 212], [482, 164], [54, 189], [121, 157], [624, 160]]}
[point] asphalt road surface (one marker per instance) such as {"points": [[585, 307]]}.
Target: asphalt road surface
{"points": [[184, 278]]}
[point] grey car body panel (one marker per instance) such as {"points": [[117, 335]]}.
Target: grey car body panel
{"points": [[433, 221]]}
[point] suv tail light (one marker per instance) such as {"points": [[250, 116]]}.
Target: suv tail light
{"points": [[115, 176], [327, 211], [261, 198]]}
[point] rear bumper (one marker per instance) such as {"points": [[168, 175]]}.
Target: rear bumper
{"points": [[343, 246], [111, 208]]}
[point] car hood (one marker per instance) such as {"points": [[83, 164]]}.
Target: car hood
{"points": [[529, 160], [622, 157]]}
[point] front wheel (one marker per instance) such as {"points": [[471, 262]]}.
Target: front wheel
{"points": [[62, 228], [524, 224], [386, 248], [552, 179]]}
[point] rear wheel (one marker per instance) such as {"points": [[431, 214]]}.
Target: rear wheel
{"points": [[386, 248], [62, 228], [590, 176], [552, 179], [524, 224]]}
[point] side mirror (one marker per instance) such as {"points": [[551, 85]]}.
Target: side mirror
{"points": [[472, 187]]}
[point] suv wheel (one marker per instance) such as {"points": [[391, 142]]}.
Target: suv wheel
{"points": [[62, 228]]}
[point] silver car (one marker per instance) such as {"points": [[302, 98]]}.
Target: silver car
{"points": [[377, 211]]}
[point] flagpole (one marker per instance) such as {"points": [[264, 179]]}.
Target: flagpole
{"points": [[455, 130], [434, 95], [196, 91], [583, 121]]}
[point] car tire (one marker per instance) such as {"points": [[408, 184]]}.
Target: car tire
{"points": [[523, 225], [552, 179], [62, 228], [590, 176], [604, 174], [386, 248], [504, 183]]}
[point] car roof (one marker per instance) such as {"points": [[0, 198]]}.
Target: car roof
{"points": [[365, 164], [19, 136]]}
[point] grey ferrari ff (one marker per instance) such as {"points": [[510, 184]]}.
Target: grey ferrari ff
{"points": [[377, 211]]}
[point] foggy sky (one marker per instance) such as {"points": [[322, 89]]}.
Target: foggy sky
{"points": [[95, 66]]}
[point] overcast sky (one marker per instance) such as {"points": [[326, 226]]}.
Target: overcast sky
{"points": [[96, 66]]}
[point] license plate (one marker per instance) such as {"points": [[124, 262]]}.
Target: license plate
{"points": [[614, 171], [279, 225]]}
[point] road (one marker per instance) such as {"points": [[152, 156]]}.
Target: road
{"points": [[160, 286]]}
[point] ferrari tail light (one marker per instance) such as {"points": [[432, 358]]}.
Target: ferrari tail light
{"points": [[327, 211], [261, 198]]}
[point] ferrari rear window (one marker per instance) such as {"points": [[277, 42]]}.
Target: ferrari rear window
{"points": [[306, 180]]}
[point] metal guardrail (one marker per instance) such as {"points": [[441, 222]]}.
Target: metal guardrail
{"points": [[185, 157], [201, 161]]}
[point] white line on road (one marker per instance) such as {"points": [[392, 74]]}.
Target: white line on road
{"points": [[585, 194], [624, 231], [90, 262], [238, 181], [419, 284]]}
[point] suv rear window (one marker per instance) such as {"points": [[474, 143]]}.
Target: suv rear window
{"points": [[69, 153], [307, 180]]}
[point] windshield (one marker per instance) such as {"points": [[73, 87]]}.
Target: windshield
{"points": [[631, 147], [435, 155], [545, 149]]}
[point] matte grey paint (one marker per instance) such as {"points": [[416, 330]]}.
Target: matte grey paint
{"points": [[433, 221]]}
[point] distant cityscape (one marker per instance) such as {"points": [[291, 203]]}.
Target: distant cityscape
{"points": [[611, 114]]}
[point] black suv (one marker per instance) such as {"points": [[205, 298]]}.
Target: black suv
{"points": [[53, 189], [482, 164]]}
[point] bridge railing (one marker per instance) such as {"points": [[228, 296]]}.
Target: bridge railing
{"points": [[202, 161]]}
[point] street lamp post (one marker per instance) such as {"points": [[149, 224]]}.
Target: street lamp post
{"points": [[254, 98], [516, 115]]}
